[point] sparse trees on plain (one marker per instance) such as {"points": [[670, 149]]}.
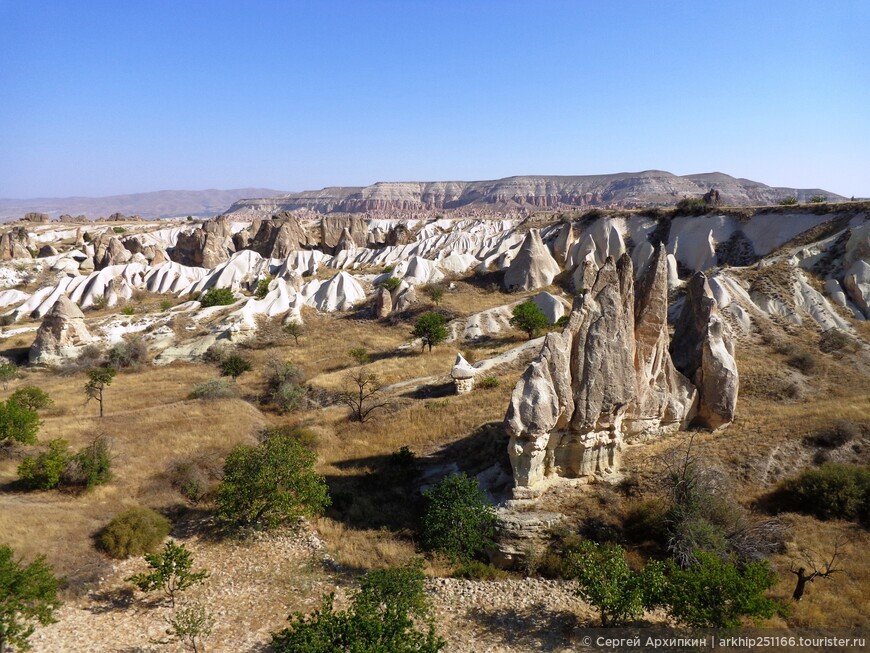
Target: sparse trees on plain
{"points": [[431, 328], [98, 380], [28, 597]]}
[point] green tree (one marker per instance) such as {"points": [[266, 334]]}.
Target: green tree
{"points": [[431, 328], [435, 293], [391, 283], [788, 201], [190, 625], [529, 318], [458, 521], [98, 380], [234, 366], [818, 199], [171, 571], [28, 597], [31, 398], [360, 355], [8, 371], [607, 582], [384, 616], [270, 484], [716, 593], [17, 423], [294, 330]]}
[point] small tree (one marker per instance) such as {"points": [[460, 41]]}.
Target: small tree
{"points": [[360, 355], [435, 293], [362, 394], [458, 521], [607, 582], [716, 593], [28, 597], [17, 423], [98, 380], [190, 625], [270, 484], [824, 570], [431, 328], [31, 398], [234, 366], [294, 330], [529, 318], [44, 472], [8, 372], [171, 571]]}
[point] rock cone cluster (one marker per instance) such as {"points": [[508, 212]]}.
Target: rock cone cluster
{"points": [[610, 376], [61, 335]]}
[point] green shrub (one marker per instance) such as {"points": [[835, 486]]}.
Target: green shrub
{"points": [[288, 397], [435, 293], [270, 484], [431, 328], [391, 283], [716, 593], [833, 491], [17, 423], [360, 355], [8, 372], [691, 206], [131, 353], [477, 570], [30, 397], [262, 287], [171, 571], [458, 521], [489, 383], [128, 310], [134, 532], [840, 433], [218, 297], [166, 304], [562, 322], [384, 615], [817, 199], [118, 230], [788, 201], [90, 466], [646, 520], [605, 581], [389, 268], [43, 472], [234, 366], [214, 389]]}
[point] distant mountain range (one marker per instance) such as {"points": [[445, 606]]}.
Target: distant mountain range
{"points": [[512, 194], [159, 204], [622, 190]]}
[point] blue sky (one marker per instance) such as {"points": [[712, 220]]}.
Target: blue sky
{"points": [[103, 98]]}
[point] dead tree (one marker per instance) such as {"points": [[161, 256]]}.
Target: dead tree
{"points": [[362, 394], [825, 570]]}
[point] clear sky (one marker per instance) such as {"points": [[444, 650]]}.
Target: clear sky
{"points": [[101, 98]]}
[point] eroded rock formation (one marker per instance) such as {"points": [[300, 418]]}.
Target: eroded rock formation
{"points": [[533, 267], [61, 335], [607, 377], [463, 375]]}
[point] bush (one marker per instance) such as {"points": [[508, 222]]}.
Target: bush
{"points": [[30, 397], [715, 594], [817, 199], [166, 304], [391, 283], [288, 397], [384, 615], [691, 206], [90, 467], [218, 297], [8, 372], [262, 287], [214, 389], [562, 322], [17, 423], [43, 472], [489, 383], [833, 491], [128, 310], [788, 201], [841, 433], [218, 352], [270, 484], [234, 366], [360, 355], [131, 353], [805, 361], [458, 521], [605, 580], [477, 570], [134, 532], [28, 596], [529, 318]]}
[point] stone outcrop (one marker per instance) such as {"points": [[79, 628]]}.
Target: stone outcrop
{"points": [[14, 244], [279, 237], [109, 250], [36, 217], [607, 377], [383, 303], [45, 251], [207, 247], [332, 228], [346, 242], [533, 267], [61, 335], [463, 375], [702, 349]]}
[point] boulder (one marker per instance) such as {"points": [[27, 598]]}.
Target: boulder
{"points": [[14, 244], [346, 242], [61, 335], [606, 378], [399, 235], [703, 350], [383, 303], [45, 251], [533, 266], [207, 247], [279, 237], [332, 228], [463, 375], [36, 217], [857, 284], [109, 250]]}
